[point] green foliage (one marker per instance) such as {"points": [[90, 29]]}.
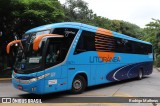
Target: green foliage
{"points": [[157, 63], [77, 10], [21, 15], [126, 28], [152, 34], [17, 16]]}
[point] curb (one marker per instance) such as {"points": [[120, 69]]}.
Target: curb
{"points": [[5, 79], [158, 69]]}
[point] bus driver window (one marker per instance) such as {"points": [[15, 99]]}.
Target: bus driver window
{"points": [[52, 54]]}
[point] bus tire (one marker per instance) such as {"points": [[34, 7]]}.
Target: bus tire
{"points": [[140, 74], [78, 84]]}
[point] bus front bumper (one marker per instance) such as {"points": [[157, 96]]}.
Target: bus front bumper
{"points": [[40, 86], [31, 87]]}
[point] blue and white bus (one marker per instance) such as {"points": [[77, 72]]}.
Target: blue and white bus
{"points": [[72, 56]]}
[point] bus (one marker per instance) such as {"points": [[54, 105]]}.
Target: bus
{"points": [[72, 56]]}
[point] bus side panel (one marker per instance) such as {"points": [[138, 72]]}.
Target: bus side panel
{"points": [[56, 81], [74, 70], [130, 71], [148, 69], [56, 86], [101, 71], [93, 75]]}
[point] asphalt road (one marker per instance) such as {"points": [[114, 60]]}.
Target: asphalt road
{"points": [[147, 87]]}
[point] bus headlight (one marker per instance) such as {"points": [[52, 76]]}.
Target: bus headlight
{"points": [[33, 80], [39, 77], [43, 76]]}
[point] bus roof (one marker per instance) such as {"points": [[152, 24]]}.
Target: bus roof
{"points": [[78, 26], [61, 25], [128, 37]]}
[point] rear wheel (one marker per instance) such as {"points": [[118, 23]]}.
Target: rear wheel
{"points": [[78, 84], [140, 74]]}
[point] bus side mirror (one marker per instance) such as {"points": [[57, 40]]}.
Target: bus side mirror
{"points": [[10, 44]]}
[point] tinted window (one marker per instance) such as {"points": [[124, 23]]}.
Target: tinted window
{"points": [[149, 48], [58, 48], [90, 41], [141, 48], [54, 52], [68, 33], [86, 42], [104, 43], [128, 47], [123, 45], [119, 47]]}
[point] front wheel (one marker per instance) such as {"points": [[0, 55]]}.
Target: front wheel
{"points": [[78, 84]]}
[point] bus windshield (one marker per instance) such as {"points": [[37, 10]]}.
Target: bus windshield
{"points": [[27, 58], [51, 51]]}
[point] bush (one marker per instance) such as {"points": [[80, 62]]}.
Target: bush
{"points": [[158, 61]]}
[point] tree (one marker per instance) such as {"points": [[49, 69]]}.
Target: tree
{"points": [[126, 28], [77, 10], [152, 34], [17, 16]]}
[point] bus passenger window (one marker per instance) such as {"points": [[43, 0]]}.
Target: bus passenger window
{"points": [[119, 45], [86, 42], [128, 47]]}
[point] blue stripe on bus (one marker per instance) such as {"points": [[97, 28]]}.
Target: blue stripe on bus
{"points": [[129, 71]]}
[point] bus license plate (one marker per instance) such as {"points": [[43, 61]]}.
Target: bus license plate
{"points": [[20, 87]]}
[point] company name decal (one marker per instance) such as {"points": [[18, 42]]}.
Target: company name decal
{"points": [[97, 59]]}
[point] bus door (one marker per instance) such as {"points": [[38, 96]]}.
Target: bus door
{"points": [[53, 63], [52, 56]]}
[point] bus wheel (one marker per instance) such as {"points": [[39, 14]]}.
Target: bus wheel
{"points": [[140, 74], [78, 84]]}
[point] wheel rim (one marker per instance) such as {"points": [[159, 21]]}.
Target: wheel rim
{"points": [[77, 84]]}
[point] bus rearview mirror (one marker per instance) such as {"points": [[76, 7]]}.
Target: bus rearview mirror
{"points": [[10, 44]]}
